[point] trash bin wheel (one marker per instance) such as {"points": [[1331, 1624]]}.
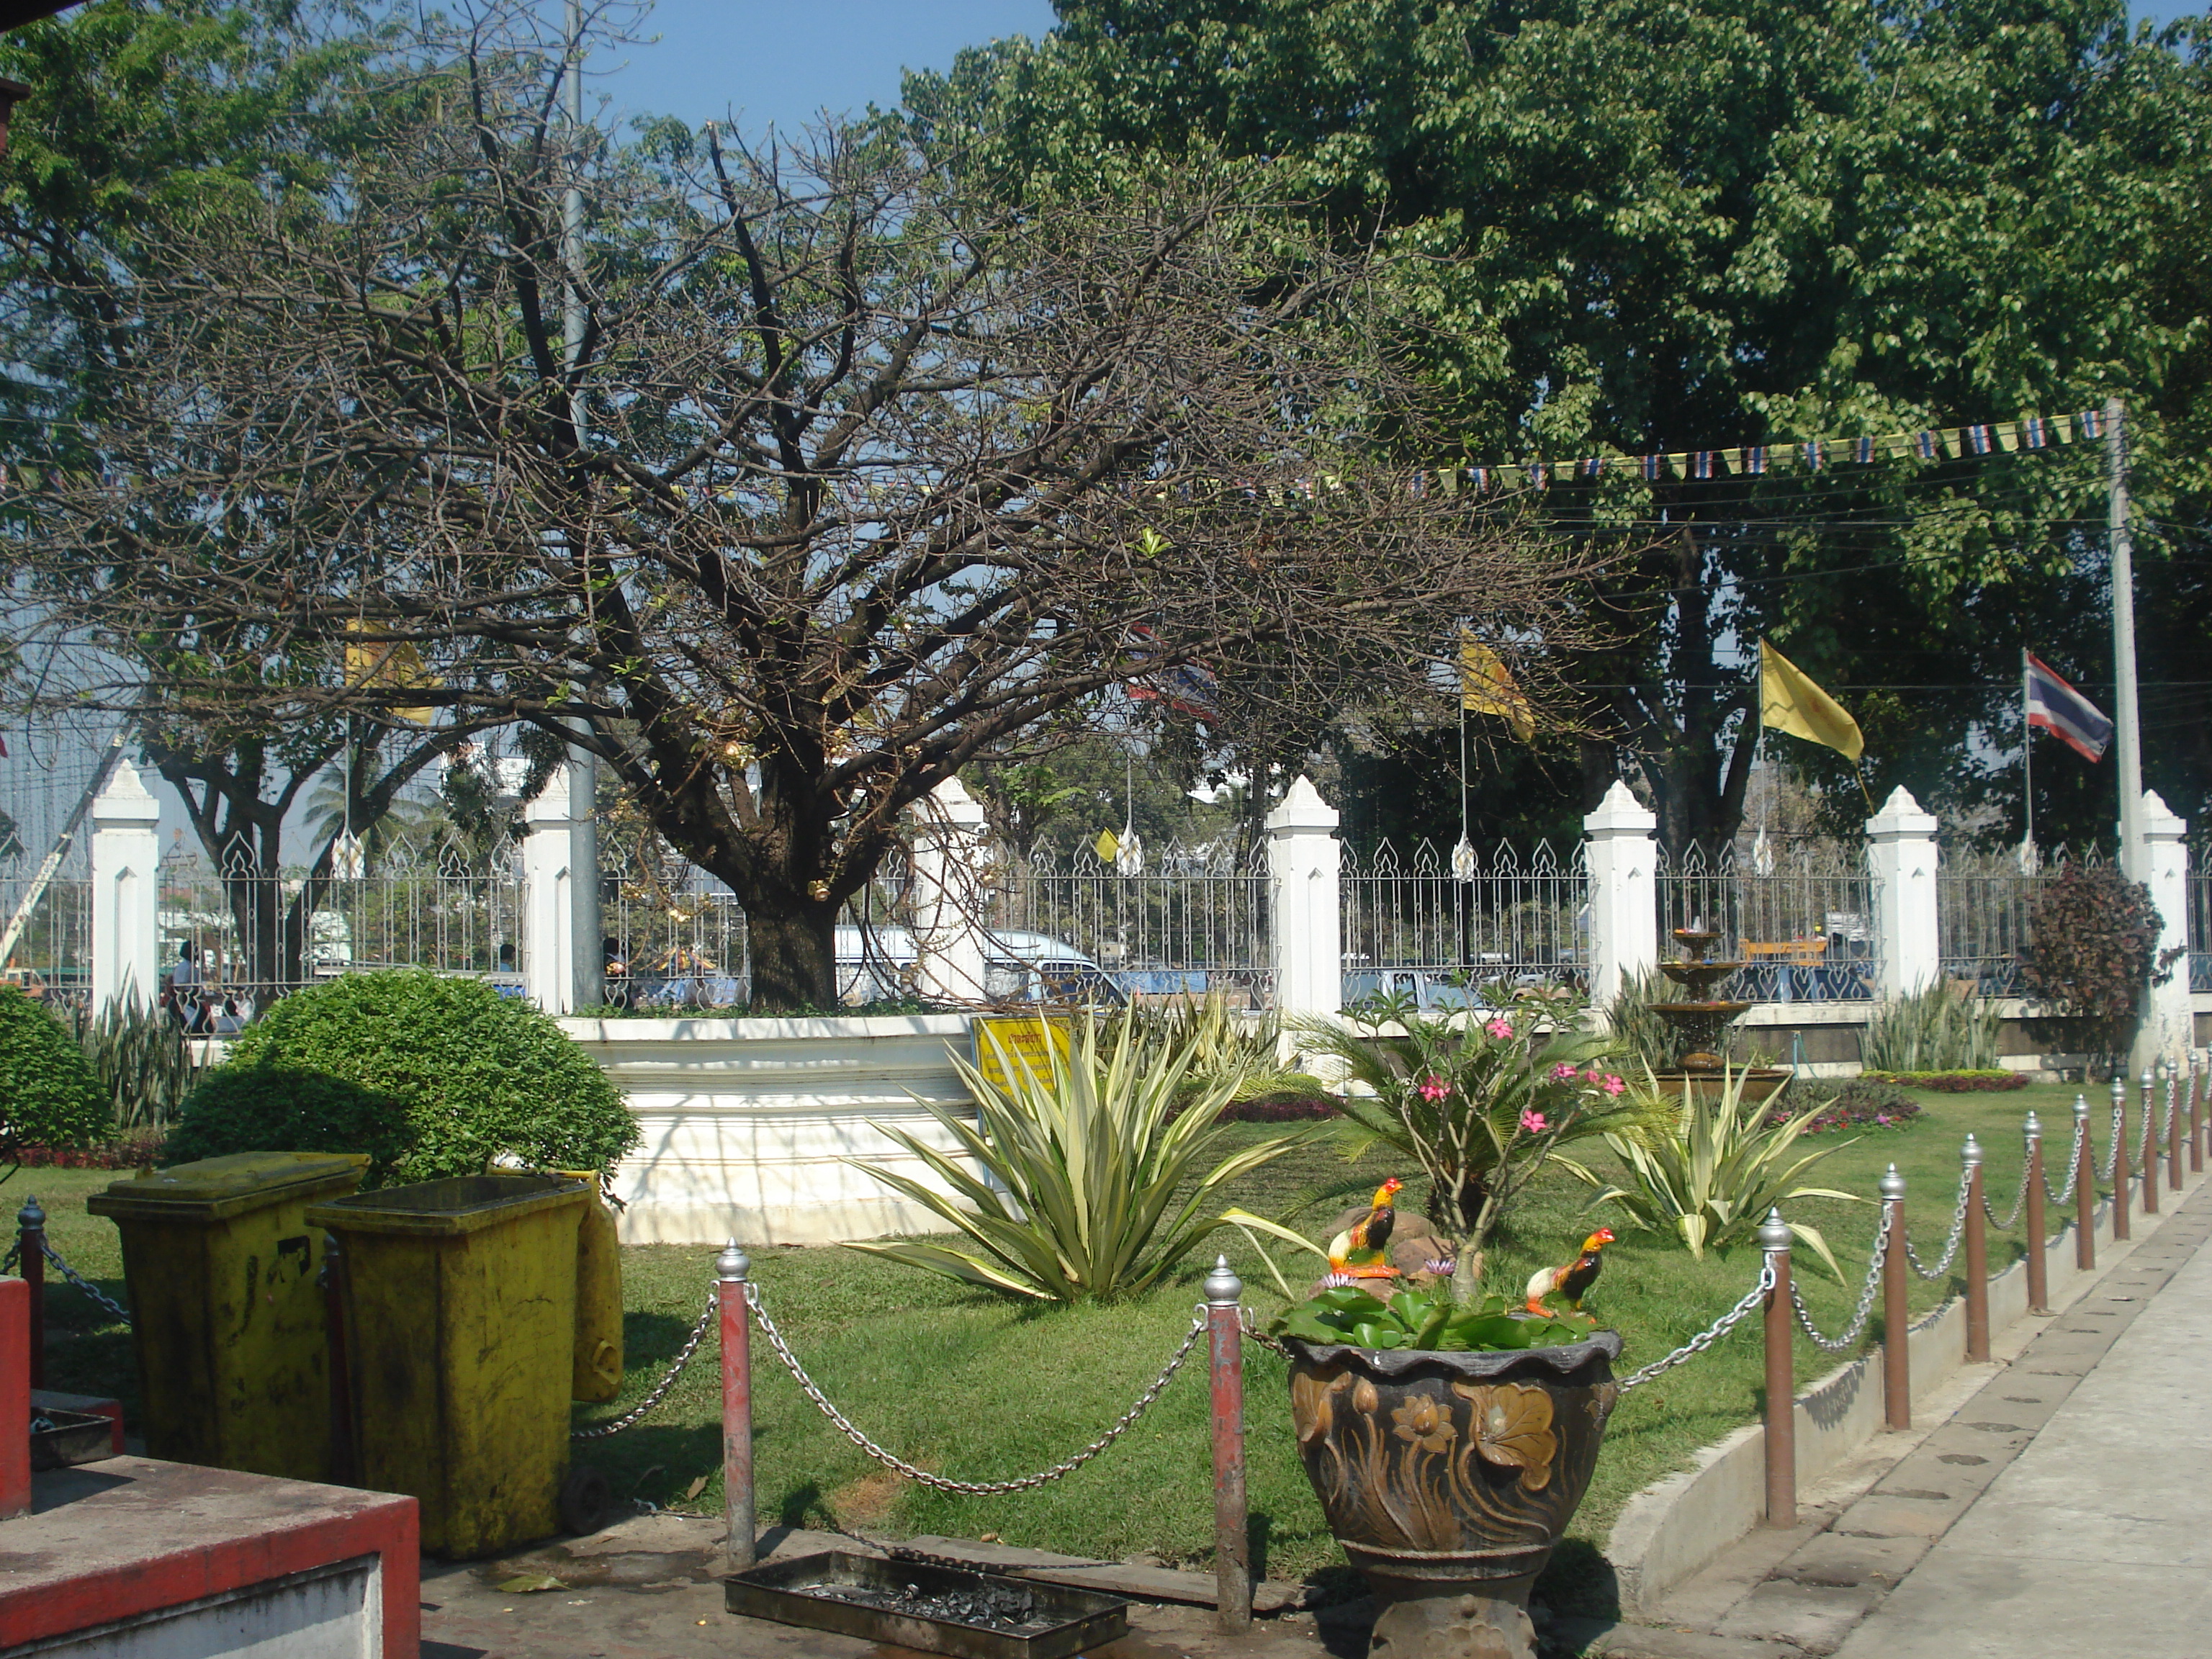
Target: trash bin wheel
{"points": [[586, 1499]]}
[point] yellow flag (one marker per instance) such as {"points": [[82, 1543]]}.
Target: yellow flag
{"points": [[1106, 846], [1486, 687], [397, 664], [1787, 702]]}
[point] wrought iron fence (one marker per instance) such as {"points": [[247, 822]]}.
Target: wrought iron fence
{"points": [[2200, 919], [676, 938], [1438, 932], [51, 959], [1984, 902], [1191, 920], [1799, 914], [246, 937]]}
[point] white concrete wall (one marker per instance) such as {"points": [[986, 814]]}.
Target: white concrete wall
{"points": [[747, 1122]]}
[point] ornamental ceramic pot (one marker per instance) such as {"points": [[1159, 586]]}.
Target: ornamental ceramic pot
{"points": [[1448, 1478]]}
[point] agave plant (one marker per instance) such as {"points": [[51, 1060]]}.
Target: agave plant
{"points": [[1217, 1041], [1933, 1029], [139, 1055], [1084, 1185], [1710, 1170]]}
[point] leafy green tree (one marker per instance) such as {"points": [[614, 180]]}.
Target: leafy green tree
{"points": [[1658, 224]]}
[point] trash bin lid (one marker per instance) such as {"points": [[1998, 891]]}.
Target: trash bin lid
{"points": [[216, 1189], [447, 1208]]}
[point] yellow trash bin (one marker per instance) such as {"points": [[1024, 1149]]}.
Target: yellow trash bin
{"points": [[461, 1329], [227, 1312], [599, 1297]]}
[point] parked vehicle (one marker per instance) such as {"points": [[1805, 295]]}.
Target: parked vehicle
{"points": [[878, 964]]}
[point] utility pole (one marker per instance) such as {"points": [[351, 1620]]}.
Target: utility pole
{"points": [[590, 970], [2127, 734]]}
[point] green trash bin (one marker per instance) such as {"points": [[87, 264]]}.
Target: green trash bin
{"points": [[227, 1312], [460, 1301]]}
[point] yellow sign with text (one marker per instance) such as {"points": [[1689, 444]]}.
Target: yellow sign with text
{"points": [[1026, 1041]]}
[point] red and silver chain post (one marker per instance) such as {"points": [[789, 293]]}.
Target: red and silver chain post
{"points": [[1781, 1377], [1977, 1257], [1896, 1313], [1232, 1536], [732, 1273], [2039, 1263]]}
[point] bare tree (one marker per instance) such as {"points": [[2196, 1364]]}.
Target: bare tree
{"points": [[846, 479]]}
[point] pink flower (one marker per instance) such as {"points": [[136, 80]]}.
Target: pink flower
{"points": [[1592, 1077], [1612, 1085], [1563, 1072], [1500, 1028], [1533, 1122], [1433, 1088]]}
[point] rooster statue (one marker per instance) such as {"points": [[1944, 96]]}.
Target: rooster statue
{"points": [[1571, 1283], [1361, 1250]]}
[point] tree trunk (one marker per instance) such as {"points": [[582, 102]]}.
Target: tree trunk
{"points": [[794, 957]]}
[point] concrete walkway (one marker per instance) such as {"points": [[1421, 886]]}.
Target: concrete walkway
{"points": [[2097, 1539]]}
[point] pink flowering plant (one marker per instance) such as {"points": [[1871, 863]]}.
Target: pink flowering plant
{"points": [[1481, 1100]]}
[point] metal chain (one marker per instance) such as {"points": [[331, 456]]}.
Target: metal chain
{"points": [[2073, 1163], [1712, 1334], [83, 1284], [1951, 1248], [978, 1488], [1851, 1336], [1254, 1334], [15, 1255], [629, 1419], [2165, 1129]]}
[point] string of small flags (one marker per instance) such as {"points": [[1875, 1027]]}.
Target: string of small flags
{"points": [[1809, 455]]}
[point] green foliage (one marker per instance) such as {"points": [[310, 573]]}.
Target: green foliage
{"points": [[1858, 1102], [1939, 1027], [1215, 1044], [473, 1074], [1641, 1036], [1480, 1101], [257, 1109], [2092, 955], [1428, 1320], [1710, 1168], [138, 1052], [1987, 1081], [1094, 1185], [49, 1093]]}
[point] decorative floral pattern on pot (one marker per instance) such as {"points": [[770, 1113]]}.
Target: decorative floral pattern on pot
{"points": [[1451, 1453]]}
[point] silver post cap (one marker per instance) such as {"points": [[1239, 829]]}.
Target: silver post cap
{"points": [[2146, 1077], [2081, 1107], [2119, 1089], [733, 1262], [1774, 1233], [2032, 1128], [31, 1215], [1971, 1154], [1893, 1184], [1223, 1288]]}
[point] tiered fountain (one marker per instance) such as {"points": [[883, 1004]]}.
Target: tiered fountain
{"points": [[1699, 1024]]}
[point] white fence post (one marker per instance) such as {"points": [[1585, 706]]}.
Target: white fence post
{"points": [[1304, 863], [1901, 843], [1623, 939], [551, 950], [948, 895], [2168, 1027], [126, 923]]}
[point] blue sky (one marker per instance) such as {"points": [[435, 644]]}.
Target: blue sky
{"points": [[782, 62]]}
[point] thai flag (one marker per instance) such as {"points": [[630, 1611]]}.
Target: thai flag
{"points": [[2064, 713]]}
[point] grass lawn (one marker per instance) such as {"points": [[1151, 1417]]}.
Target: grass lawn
{"points": [[970, 1385]]}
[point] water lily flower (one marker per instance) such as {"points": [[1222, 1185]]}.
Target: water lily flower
{"points": [[1533, 1121], [1433, 1088], [1500, 1028]]}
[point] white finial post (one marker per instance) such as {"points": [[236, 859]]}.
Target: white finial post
{"points": [[1623, 942], [126, 925], [1304, 861], [1901, 858]]}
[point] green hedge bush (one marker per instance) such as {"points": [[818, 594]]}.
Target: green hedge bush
{"points": [[49, 1094], [446, 1074]]}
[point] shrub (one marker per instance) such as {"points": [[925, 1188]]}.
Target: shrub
{"points": [[470, 1075], [1936, 1029], [2093, 955], [134, 1149], [1859, 1102], [49, 1094], [269, 1108], [1953, 1083]]}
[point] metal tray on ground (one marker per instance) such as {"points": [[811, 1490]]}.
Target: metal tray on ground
{"points": [[61, 1438], [803, 1591]]}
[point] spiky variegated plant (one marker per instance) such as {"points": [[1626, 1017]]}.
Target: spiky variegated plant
{"points": [[1710, 1170], [1077, 1186]]}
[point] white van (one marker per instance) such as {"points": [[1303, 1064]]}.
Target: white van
{"points": [[878, 964]]}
